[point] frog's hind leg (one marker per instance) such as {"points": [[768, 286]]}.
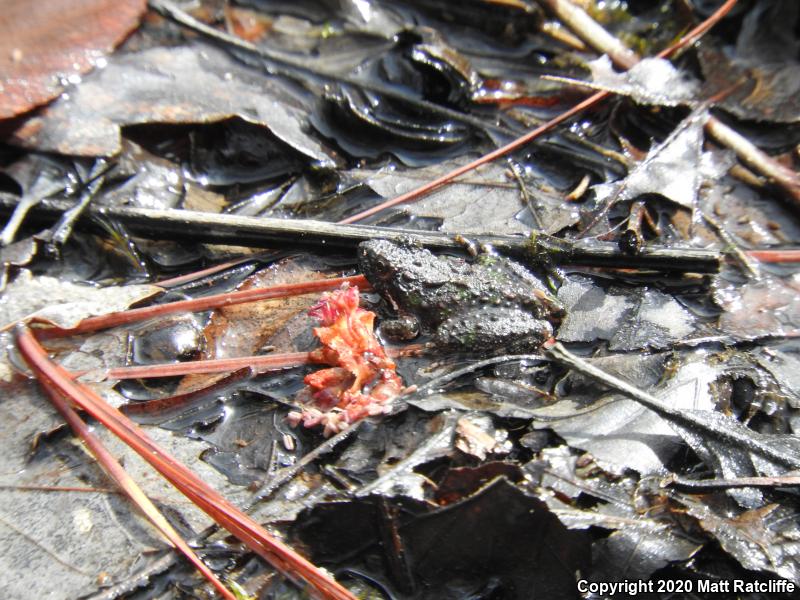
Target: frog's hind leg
{"points": [[493, 329]]}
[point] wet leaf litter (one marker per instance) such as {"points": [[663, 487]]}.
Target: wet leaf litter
{"points": [[416, 434]]}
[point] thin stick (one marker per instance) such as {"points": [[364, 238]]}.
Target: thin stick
{"points": [[559, 353], [128, 486], [287, 473], [209, 500], [683, 482], [223, 228]]}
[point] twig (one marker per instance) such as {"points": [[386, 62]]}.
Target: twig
{"points": [[442, 380], [63, 229], [260, 232], [732, 247], [590, 31], [710, 484], [755, 158], [287, 473]]}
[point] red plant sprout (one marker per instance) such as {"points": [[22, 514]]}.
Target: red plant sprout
{"points": [[361, 380]]}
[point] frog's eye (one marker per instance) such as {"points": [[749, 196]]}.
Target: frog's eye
{"points": [[381, 265]]}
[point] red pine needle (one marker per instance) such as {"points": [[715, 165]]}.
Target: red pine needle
{"points": [[775, 256], [217, 365], [128, 485], [208, 302], [209, 500]]}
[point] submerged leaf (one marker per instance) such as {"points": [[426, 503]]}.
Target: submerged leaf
{"points": [[461, 551], [167, 85], [632, 319], [762, 75], [675, 168], [764, 539], [64, 304], [767, 307], [620, 433]]}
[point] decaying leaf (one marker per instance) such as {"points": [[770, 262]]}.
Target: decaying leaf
{"points": [[762, 75], [675, 168], [487, 201], [767, 307], [632, 319], [653, 81], [763, 539], [64, 304], [464, 544], [46, 47], [620, 433], [197, 84]]}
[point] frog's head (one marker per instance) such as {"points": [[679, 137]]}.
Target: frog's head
{"points": [[380, 260]]}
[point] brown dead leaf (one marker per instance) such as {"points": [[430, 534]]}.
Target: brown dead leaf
{"points": [[244, 329], [45, 45]]}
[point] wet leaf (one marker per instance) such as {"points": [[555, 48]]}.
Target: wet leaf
{"points": [[766, 307], [477, 436], [675, 168], [632, 319], [636, 555], [245, 329], [763, 539], [653, 81], [64, 304], [762, 75], [486, 201], [620, 433], [197, 84], [460, 551], [784, 366], [45, 48], [398, 478]]}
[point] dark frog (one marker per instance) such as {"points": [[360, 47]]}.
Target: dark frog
{"points": [[492, 304]]}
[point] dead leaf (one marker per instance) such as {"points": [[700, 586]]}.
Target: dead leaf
{"points": [[653, 81], [767, 307], [44, 48], [62, 303], [197, 84], [675, 168]]}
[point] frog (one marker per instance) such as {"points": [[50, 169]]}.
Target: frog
{"points": [[490, 304]]}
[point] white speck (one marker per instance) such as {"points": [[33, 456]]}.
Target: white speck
{"points": [[82, 520]]}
